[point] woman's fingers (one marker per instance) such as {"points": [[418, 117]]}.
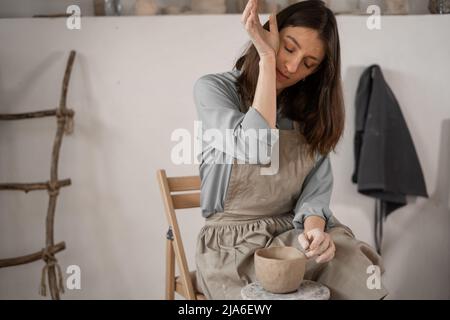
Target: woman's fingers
{"points": [[250, 20], [327, 255], [321, 249], [265, 42], [252, 29], [303, 241], [252, 16], [255, 13], [273, 23], [247, 11], [318, 237]]}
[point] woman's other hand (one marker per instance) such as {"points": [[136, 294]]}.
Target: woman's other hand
{"points": [[266, 42], [317, 243]]}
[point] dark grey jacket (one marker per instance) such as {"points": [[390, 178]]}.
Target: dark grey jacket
{"points": [[386, 164]]}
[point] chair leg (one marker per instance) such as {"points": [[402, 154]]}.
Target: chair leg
{"points": [[170, 270]]}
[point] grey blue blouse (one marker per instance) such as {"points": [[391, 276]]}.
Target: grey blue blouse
{"points": [[217, 102]]}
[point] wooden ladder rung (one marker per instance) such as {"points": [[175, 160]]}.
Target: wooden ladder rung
{"points": [[36, 114], [9, 262], [33, 186]]}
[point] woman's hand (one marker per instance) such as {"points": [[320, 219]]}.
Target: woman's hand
{"points": [[266, 42], [317, 243]]}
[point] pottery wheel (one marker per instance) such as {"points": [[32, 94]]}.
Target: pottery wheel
{"points": [[308, 290]]}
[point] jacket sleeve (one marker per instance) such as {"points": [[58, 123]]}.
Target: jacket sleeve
{"points": [[316, 192], [218, 109]]}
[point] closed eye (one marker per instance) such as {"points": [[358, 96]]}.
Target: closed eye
{"points": [[290, 51]]}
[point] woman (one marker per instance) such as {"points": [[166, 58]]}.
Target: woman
{"points": [[287, 83]]}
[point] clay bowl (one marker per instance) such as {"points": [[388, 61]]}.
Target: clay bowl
{"points": [[280, 269]]}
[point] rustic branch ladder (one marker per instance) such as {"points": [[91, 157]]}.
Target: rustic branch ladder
{"points": [[64, 117]]}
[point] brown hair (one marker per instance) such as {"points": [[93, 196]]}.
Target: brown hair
{"points": [[316, 103]]}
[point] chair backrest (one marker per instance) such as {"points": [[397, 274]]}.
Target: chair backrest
{"points": [[175, 196]]}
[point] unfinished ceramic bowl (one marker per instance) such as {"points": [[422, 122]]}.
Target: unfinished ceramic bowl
{"points": [[280, 269]]}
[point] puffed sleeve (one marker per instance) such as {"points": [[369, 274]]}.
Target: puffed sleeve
{"points": [[316, 194], [218, 109]]}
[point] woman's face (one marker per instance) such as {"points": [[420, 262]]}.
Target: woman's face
{"points": [[300, 54]]}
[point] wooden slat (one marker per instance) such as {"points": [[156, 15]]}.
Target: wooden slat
{"points": [[170, 271], [186, 200], [184, 183]]}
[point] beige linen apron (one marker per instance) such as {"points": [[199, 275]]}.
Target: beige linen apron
{"points": [[258, 213]]}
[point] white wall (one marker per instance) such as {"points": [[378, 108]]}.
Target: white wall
{"points": [[131, 86], [28, 8]]}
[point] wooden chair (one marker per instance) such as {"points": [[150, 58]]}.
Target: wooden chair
{"points": [[185, 283]]}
